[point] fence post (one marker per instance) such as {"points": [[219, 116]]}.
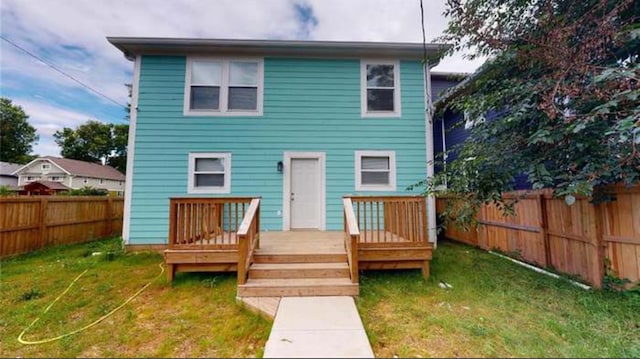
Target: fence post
{"points": [[600, 213], [42, 217], [544, 228], [108, 217]]}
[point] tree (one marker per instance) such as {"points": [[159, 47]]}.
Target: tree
{"points": [[94, 141], [564, 79], [17, 136]]}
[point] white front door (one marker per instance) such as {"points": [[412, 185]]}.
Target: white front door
{"points": [[305, 193]]}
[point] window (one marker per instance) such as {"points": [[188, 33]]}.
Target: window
{"points": [[45, 166], [375, 171], [32, 178], [223, 87], [55, 178], [380, 88], [209, 173]]}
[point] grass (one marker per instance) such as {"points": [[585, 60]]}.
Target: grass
{"points": [[197, 317], [495, 308]]}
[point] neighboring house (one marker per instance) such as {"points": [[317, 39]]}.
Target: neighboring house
{"points": [[72, 174], [42, 188], [299, 123], [451, 128], [7, 178]]}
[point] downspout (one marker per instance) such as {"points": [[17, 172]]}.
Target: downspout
{"points": [[432, 233]]}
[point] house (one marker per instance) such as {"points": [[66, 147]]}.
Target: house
{"points": [[72, 174], [7, 178], [452, 128], [231, 135], [42, 188]]}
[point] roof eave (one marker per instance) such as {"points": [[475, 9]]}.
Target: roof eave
{"points": [[133, 46]]}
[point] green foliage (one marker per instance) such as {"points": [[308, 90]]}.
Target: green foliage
{"points": [[85, 191], [93, 140], [6, 190], [17, 136], [32, 293], [560, 94]]}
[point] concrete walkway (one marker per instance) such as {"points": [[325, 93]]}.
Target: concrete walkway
{"points": [[317, 327]]}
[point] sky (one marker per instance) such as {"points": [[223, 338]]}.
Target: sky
{"points": [[71, 36]]}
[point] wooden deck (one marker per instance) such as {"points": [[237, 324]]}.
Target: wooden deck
{"points": [[222, 234]]}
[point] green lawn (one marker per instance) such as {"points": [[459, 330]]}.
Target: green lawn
{"points": [[495, 309], [197, 317]]}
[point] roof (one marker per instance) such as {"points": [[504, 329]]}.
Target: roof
{"points": [[50, 185], [82, 168], [132, 46], [7, 168], [452, 76]]}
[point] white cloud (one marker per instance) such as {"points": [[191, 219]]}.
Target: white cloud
{"points": [[71, 34], [47, 119]]}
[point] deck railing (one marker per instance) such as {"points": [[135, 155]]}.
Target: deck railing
{"points": [[248, 239], [390, 220], [351, 236], [206, 223]]}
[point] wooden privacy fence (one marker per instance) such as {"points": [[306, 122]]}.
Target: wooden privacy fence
{"points": [[581, 239], [30, 223]]}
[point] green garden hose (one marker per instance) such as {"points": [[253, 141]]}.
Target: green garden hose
{"points": [[28, 342]]}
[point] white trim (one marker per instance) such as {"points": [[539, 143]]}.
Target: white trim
{"points": [[432, 230], [397, 102], [392, 171], [224, 87], [226, 188], [286, 186], [39, 159], [131, 147]]}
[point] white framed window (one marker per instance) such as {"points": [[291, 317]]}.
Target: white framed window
{"points": [[223, 87], [375, 170], [45, 166], [209, 173], [55, 178], [380, 88], [32, 178]]}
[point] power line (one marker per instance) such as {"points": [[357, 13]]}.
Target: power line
{"points": [[60, 71]]}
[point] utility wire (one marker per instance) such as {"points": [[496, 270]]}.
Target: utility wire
{"points": [[424, 36], [60, 71]]}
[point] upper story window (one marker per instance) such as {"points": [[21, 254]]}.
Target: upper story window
{"points": [[56, 178], [380, 92], [223, 87], [209, 173], [45, 166], [375, 171]]}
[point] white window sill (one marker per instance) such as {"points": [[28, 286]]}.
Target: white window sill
{"points": [[223, 114], [376, 188], [212, 190], [381, 114]]}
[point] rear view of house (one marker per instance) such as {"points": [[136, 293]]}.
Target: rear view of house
{"points": [[297, 124]]}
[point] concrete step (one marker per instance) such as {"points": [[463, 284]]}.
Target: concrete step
{"points": [[298, 270], [298, 287], [299, 257]]}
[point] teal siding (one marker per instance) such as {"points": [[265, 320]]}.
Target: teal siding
{"points": [[309, 105]]}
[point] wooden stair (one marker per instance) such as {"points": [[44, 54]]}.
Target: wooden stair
{"points": [[299, 268]]}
